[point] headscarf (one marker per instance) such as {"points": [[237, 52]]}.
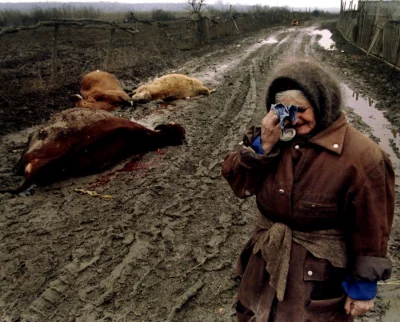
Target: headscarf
{"points": [[318, 84]]}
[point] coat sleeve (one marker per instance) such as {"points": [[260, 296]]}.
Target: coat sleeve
{"points": [[245, 170], [371, 222]]}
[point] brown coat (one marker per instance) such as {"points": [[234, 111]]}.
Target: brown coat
{"points": [[338, 179]]}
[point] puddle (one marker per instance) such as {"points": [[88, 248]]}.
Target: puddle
{"points": [[270, 40], [326, 40], [380, 126]]}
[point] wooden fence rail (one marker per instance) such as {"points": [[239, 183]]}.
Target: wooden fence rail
{"points": [[80, 23]]}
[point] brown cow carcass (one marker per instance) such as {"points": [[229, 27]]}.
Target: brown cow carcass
{"points": [[169, 87], [102, 90], [81, 141]]}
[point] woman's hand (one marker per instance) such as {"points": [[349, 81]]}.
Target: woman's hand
{"points": [[270, 131], [356, 307]]}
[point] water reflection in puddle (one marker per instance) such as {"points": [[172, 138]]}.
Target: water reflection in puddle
{"points": [[326, 40], [270, 40], [380, 126]]}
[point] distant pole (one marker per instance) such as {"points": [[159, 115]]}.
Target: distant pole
{"points": [[109, 49], [233, 19], [54, 54]]}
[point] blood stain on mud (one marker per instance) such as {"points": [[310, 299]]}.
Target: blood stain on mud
{"points": [[102, 180], [134, 164], [166, 104]]}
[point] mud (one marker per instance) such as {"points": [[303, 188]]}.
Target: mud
{"points": [[159, 238]]}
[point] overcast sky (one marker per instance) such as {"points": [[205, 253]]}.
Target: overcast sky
{"points": [[290, 3]]}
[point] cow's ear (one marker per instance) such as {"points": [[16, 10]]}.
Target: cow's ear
{"points": [[161, 127]]}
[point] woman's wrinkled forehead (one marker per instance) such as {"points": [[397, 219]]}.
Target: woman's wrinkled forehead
{"points": [[292, 97]]}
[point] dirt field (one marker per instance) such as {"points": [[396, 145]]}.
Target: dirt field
{"points": [[164, 247]]}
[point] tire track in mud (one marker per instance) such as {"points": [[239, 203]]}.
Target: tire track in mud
{"points": [[163, 249]]}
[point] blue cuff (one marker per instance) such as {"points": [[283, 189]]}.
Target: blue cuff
{"points": [[359, 290], [256, 145]]}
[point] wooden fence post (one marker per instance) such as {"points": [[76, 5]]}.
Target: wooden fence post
{"points": [[378, 28], [233, 19], [375, 39], [378, 11], [54, 54], [361, 11], [202, 30], [132, 34], [109, 49]]}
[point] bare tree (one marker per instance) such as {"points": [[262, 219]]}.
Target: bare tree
{"points": [[195, 7]]}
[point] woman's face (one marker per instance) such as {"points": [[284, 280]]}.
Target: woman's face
{"points": [[305, 115]]}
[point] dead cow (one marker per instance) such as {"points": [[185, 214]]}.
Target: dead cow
{"points": [[102, 90], [81, 141], [172, 86]]}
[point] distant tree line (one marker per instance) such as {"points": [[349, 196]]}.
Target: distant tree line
{"points": [[14, 18]]}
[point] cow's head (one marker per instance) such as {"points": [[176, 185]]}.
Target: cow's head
{"points": [[203, 91], [142, 97], [172, 133]]}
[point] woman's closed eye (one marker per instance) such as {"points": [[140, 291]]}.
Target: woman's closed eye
{"points": [[301, 109]]}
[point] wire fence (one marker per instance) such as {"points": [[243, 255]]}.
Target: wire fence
{"points": [[136, 35]]}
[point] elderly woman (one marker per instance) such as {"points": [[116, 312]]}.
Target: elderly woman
{"points": [[325, 193]]}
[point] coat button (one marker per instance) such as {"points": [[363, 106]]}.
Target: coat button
{"points": [[297, 147], [309, 273], [281, 191], [335, 146]]}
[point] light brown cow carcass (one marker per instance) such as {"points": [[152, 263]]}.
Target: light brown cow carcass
{"points": [[295, 22], [81, 141], [169, 87], [102, 90]]}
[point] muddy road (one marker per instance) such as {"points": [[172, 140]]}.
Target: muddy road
{"points": [[163, 248]]}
